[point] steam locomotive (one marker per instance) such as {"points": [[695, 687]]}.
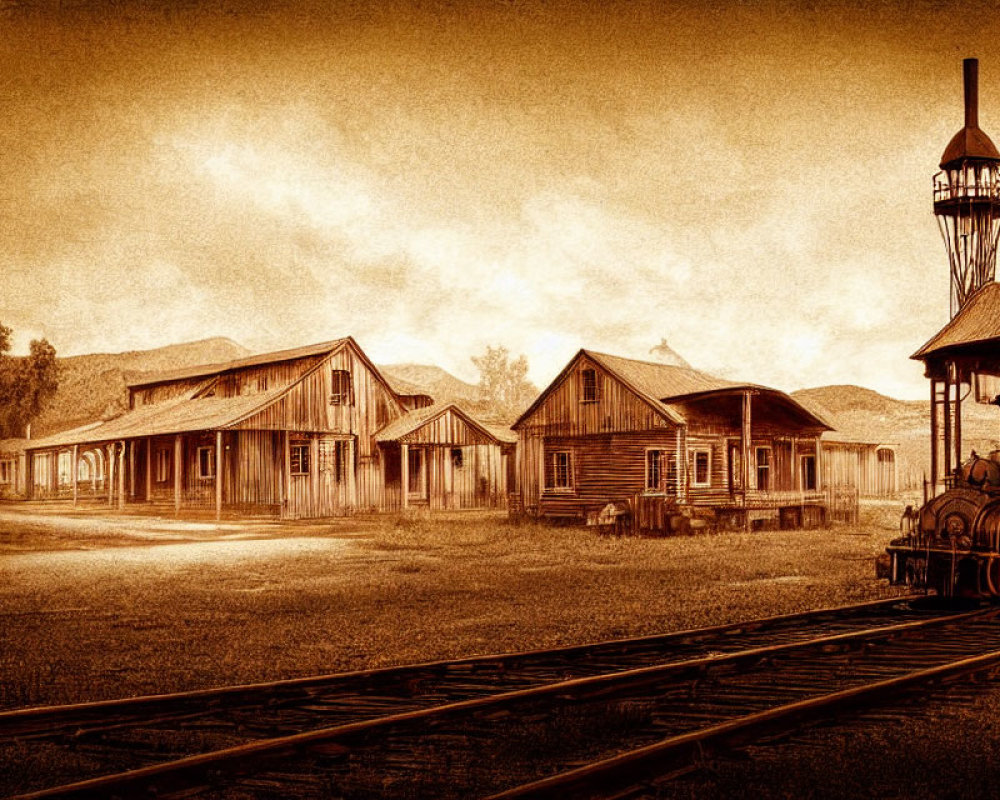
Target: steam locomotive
{"points": [[952, 543]]}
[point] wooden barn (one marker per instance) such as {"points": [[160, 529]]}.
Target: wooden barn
{"points": [[309, 432], [664, 441], [870, 468]]}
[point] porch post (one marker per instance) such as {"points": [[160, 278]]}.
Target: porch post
{"points": [[149, 469], [76, 472], [958, 418], [218, 474], [131, 469], [54, 474], [121, 477], [352, 478], [934, 438], [111, 474], [178, 454], [404, 454], [745, 456], [286, 507], [796, 477], [29, 475], [946, 449]]}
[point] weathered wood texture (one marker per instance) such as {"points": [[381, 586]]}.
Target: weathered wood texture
{"points": [[870, 469]]}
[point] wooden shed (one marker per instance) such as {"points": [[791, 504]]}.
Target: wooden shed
{"points": [[664, 438], [294, 433]]}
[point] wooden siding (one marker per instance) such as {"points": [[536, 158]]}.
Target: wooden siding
{"points": [[447, 429], [857, 465], [617, 408], [158, 393]]}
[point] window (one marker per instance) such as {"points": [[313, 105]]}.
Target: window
{"points": [[340, 388], [457, 457], [809, 472], [415, 467], [654, 460], [885, 455], [702, 468], [558, 473], [5, 471], [162, 465], [300, 458], [763, 468], [206, 462], [588, 386]]}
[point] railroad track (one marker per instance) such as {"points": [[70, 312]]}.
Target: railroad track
{"points": [[258, 726]]}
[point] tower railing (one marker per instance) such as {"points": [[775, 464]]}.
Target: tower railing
{"points": [[986, 186]]}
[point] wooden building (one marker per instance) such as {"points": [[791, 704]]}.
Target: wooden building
{"points": [[663, 439], [309, 432], [871, 468], [13, 469]]}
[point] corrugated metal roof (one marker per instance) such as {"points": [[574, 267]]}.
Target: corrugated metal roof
{"points": [[416, 419], [180, 415], [977, 322], [250, 361]]}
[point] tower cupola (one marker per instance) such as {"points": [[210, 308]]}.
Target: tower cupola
{"points": [[967, 199]]}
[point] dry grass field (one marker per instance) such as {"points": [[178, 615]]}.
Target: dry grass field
{"points": [[93, 608]]}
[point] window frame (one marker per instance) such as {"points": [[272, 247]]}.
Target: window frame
{"points": [[701, 451], [594, 386], [6, 470], [659, 487], [457, 458], [303, 458], [555, 488], [202, 474], [339, 395], [757, 467]]}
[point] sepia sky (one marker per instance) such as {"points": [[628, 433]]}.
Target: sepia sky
{"points": [[750, 181]]}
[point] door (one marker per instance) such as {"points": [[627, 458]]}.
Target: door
{"points": [[417, 468]]}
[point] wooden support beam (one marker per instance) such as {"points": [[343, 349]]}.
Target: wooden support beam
{"points": [[286, 506], [350, 470], [76, 473], [131, 468], [149, 469], [958, 418], [111, 474], [121, 477], [178, 467], [934, 438], [745, 438], [218, 475], [404, 455], [946, 448]]}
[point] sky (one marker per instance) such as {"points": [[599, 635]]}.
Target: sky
{"points": [[749, 181]]}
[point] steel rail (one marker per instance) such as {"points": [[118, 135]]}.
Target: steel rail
{"points": [[61, 719], [679, 754], [186, 773]]}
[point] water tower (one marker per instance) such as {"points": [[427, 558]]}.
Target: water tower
{"points": [[967, 199]]}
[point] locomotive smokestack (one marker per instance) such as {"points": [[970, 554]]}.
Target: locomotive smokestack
{"points": [[971, 73]]}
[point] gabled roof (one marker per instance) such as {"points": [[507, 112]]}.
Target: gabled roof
{"points": [[665, 386], [977, 323], [277, 356], [418, 418]]}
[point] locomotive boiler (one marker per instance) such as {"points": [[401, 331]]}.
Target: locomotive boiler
{"points": [[952, 544]]}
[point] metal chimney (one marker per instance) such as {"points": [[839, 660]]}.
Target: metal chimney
{"points": [[971, 73]]}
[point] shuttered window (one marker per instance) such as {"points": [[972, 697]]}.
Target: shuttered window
{"points": [[702, 468], [341, 391], [300, 459], [654, 470], [558, 471], [588, 383]]}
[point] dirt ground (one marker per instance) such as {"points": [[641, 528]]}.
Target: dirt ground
{"points": [[95, 606]]}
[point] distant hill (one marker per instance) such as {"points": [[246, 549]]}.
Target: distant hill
{"points": [[863, 415], [94, 386]]}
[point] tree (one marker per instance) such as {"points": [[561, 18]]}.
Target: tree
{"points": [[504, 389], [27, 383]]}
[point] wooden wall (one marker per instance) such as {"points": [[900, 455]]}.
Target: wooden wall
{"points": [[857, 465]]}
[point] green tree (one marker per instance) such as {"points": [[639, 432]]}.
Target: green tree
{"points": [[504, 388], [27, 383]]}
